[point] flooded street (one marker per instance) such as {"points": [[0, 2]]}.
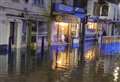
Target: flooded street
{"points": [[59, 40], [61, 63]]}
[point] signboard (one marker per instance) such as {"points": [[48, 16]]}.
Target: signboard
{"points": [[80, 10], [93, 19], [63, 8]]}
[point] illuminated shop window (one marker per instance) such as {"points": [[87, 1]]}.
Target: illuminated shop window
{"points": [[92, 25]]}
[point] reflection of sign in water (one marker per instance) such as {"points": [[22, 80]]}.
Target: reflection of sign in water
{"points": [[76, 41], [111, 48], [59, 47]]}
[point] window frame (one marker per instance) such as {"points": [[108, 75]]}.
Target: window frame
{"points": [[39, 3]]}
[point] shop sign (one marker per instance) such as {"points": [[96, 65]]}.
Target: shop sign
{"points": [[80, 10], [93, 19], [63, 8], [59, 18], [36, 17]]}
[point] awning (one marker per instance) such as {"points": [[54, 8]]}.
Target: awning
{"points": [[58, 7], [80, 10]]}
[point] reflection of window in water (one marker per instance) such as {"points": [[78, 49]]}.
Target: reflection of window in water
{"points": [[3, 64]]}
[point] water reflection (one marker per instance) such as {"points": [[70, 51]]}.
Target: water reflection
{"points": [[60, 64], [65, 59], [116, 73], [111, 48], [90, 54]]}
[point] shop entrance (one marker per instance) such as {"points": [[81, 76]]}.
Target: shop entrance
{"points": [[63, 32], [67, 32], [65, 29], [13, 35]]}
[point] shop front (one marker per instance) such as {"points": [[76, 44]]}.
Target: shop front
{"points": [[34, 32], [92, 29], [106, 26], [65, 30], [66, 25], [115, 28]]}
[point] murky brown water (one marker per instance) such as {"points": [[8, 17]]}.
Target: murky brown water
{"points": [[60, 64]]}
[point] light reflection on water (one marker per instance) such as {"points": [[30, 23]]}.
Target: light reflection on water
{"points": [[60, 64], [111, 48], [65, 59]]}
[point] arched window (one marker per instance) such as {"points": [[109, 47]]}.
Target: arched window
{"points": [[101, 9]]}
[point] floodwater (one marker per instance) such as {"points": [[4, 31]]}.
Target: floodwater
{"points": [[63, 63]]}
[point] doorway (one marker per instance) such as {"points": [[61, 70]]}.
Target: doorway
{"points": [[13, 35]]}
